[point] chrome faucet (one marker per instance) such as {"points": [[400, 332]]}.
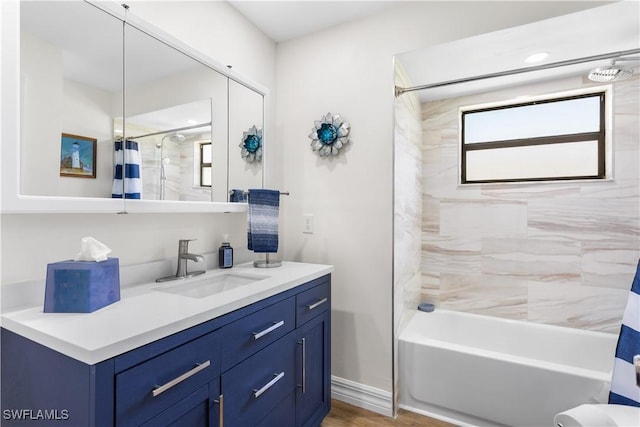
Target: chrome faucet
{"points": [[184, 256]]}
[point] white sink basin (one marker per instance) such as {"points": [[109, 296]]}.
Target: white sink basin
{"points": [[206, 286]]}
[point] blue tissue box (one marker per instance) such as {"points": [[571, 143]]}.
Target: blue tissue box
{"points": [[81, 286]]}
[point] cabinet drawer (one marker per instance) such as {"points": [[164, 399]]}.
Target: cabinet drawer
{"points": [[282, 415], [254, 332], [256, 386], [152, 386], [312, 302], [193, 410]]}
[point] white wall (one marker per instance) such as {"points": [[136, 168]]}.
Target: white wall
{"points": [[348, 70]]}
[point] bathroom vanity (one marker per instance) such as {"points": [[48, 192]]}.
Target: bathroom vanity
{"points": [[251, 348]]}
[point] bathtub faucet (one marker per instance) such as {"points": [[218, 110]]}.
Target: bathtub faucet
{"points": [[184, 256]]}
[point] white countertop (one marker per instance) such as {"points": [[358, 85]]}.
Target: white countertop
{"points": [[144, 314]]}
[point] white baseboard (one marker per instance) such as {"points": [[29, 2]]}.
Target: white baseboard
{"points": [[363, 396]]}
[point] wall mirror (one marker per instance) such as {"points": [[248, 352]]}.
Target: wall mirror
{"points": [[99, 78], [71, 61], [175, 109], [246, 133]]}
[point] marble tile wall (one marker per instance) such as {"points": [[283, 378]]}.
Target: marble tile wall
{"points": [[152, 155], [407, 200], [407, 210], [179, 171], [555, 253]]}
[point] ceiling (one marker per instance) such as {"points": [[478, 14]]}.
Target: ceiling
{"points": [[287, 19], [611, 28]]}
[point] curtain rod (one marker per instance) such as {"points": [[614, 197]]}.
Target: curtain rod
{"points": [[284, 193], [400, 90], [171, 130]]}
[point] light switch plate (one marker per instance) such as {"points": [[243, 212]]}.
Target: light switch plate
{"points": [[307, 227]]}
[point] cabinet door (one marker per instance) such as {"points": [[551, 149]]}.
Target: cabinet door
{"points": [[313, 371], [199, 409]]}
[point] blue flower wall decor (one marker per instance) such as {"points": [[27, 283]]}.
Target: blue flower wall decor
{"points": [[329, 135], [251, 145]]}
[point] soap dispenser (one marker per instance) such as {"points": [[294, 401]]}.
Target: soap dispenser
{"points": [[225, 253]]}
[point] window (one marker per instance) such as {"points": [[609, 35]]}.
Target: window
{"points": [[559, 138], [205, 164]]}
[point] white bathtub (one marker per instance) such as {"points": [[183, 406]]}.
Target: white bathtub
{"points": [[479, 370]]}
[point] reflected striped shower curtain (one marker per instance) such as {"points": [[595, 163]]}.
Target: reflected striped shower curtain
{"points": [[130, 182]]}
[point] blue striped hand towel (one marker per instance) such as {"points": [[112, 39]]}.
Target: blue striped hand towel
{"points": [[263, 213], [624, 389], [126, 174]]}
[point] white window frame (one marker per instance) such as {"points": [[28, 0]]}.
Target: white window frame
{"points": [[608, 143]]}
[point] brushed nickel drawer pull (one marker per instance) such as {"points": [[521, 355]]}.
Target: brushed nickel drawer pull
{"points": [[303, 386], [322, 301], [220, 403], [276, 325], [267, 386], [159, 389]]}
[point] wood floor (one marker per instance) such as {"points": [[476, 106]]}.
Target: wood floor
{"points": [[343, 414]]}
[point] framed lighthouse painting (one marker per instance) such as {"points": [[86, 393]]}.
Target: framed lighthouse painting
{"points": [[77, 156]]}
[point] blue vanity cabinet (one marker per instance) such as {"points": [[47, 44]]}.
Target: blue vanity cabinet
{"points": [[313, 394], [263, 365]]}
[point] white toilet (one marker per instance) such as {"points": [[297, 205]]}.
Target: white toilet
{"points": [[599, 415]]}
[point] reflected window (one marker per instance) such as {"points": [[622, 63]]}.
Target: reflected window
{"points": [[557, 138], [205, 164]]}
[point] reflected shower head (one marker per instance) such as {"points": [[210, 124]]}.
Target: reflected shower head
{"points": [[174, 137], [611, 73]]}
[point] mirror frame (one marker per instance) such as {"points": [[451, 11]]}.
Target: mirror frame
{"points": [[12, 201]]}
